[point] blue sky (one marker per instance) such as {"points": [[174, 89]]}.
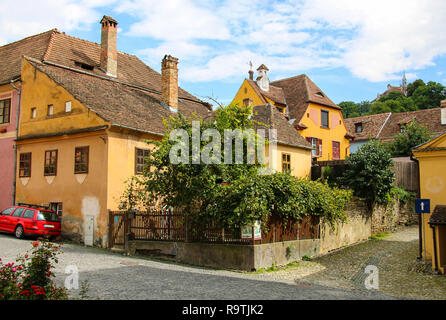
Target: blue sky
{"points": [[350, 49]]}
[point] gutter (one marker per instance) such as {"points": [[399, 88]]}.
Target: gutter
{"points": [[19, 98], [420, 253]]}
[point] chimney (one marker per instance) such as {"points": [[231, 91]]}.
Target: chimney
{"points": [[251, 75], [109, 53], [169, 81], [443, 112], [262, 79]]}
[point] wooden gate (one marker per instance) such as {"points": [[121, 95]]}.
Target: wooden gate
{"points": [[116, 228]]}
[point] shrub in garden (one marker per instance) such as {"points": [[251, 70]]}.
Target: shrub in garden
{"points": [[32, 276], [369, 173]]}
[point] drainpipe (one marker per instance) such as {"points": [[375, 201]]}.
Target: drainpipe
{"points": [[435, 248], [19, 96], [420, 244]]}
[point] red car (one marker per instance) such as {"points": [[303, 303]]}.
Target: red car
{"points": [[25, 219]]}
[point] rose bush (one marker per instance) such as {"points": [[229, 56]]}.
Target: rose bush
{"points": [[31, 277]]}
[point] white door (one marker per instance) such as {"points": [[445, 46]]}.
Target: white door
{"points": [[89, 227]]}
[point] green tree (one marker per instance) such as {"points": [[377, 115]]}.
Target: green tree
{"points": [[369, 173], [349, 109], [429, 96], [411, 87], [413, 135]]}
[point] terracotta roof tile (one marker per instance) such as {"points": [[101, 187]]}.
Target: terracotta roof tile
{"points": [[11, 54], [275, 94], [371, 125], [430, 118], [273, 119], [116, 102], [299, 92]]}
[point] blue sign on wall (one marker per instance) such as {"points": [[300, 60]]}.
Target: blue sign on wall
{"points": [[422, 205]]}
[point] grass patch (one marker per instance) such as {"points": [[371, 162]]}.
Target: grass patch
{"points": [[379, 236], [306, 258]]}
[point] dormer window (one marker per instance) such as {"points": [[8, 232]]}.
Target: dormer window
{"points": [[320, 94], [358, 127], [83, 65], [402, 128]]}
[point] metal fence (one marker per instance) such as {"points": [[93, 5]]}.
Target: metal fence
{"points": [[175, 226]]}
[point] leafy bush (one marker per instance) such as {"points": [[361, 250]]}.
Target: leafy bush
{"points": [[282, 195], [369, 173], [414, 135], [32, 277]]}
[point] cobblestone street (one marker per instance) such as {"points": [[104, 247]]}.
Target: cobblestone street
{"points": [[335, 276]]}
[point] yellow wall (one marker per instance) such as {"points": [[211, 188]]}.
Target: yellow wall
{"points": [[336, 132], [121, 160], [433, 187], [300, 160], [38, 92], [81, 194]]}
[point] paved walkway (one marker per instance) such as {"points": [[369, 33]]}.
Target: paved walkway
{"points": [[114, 276]]}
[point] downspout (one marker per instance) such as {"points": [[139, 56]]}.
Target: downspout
{"points": [[19, 96], [420, 244], [435, 248]]}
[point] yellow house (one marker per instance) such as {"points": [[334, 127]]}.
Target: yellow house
{"points": [[86, 113], [432, 166], [308, 109]]}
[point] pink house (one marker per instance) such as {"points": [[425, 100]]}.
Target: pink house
{"points": [[8, 119]]}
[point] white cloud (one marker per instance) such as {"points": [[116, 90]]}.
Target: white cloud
{"points": [[215, 39], [28, 17]]}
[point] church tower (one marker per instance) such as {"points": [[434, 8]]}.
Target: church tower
{"points": [[404, 85]]}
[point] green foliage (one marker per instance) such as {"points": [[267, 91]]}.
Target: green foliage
{"points": [[306, 258], [232, 195], [402, 195], [419, 96], [378, 236], [369, 172], [282, 195], [32, 278], [413, 135]]}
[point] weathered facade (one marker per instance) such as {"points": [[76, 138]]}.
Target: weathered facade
{"points": [[83, 127]]}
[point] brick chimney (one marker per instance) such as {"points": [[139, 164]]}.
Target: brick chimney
{"points": [[251, 75], [169, 81], [109, 52], [443, 112]]}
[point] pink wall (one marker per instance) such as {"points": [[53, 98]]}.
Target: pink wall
{"points": [[7, 154]]}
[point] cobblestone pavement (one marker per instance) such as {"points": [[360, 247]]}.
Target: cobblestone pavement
{"points": [[114, 276], [395, 256]]}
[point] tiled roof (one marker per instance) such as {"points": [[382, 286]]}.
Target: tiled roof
{"points": [[438, 217], [430, 118], [275, 94], [110, 97], [119, 103], [270, 118], [299, 92], [371, 125], [11, 54]]}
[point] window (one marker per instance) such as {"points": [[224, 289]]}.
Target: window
{"points": [[33, 113], [141, 158], [18, 212], [83, 65], [316, 144], [5, 110], [336, 150], [8, 211], [324, 119], [358, 127], [50, 168], [247, 102], [68, 106], [50, 110], [402, 128], [57, 207], [286, 163], [320, 94], [25, 165], [29, 214], [81, 160]]}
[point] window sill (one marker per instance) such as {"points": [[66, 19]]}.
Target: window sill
{"points": [[322, 127]]}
